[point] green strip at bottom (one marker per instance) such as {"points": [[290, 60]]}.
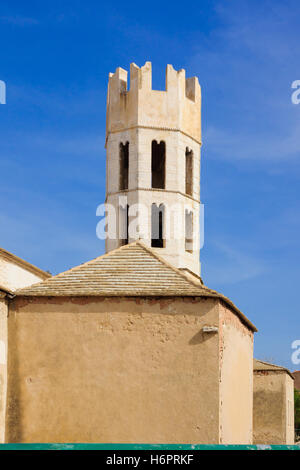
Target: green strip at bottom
{"points": [[191, 447]]}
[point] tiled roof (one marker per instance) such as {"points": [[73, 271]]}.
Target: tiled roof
{"points": [[24, 264], [132, 270], [262, 365]]}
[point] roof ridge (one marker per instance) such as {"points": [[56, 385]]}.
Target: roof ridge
{"points": [[269, 363], [169, 265], [282, 368]]}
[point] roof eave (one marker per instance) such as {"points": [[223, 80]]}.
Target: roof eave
{"points": [[21, 262], [273, 368], [4, 292]]}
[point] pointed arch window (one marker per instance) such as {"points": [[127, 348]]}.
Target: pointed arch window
{"points": [[188, 172], [157, 226], [158, 163], [124, 166], [123, 225], [189, 231]]}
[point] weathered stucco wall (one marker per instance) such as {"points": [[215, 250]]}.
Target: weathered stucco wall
{"points": [[273, 420], [14, 276], [289, 404], [236, 379], [3, 364], [113, 370]]}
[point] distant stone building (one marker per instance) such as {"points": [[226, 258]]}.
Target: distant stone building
{"points": [[296, 376], [273, 405], [132, 346]]}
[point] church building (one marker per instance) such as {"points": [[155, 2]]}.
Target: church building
{"points": [[132, 347]]}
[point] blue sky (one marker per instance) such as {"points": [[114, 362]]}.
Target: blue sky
{"points": [[55, 59]]}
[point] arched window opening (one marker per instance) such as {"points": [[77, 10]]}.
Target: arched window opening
{"points": [[158, 165], [124, 165], [189, 172], [123, 225], [157, 224], [189, 231]]}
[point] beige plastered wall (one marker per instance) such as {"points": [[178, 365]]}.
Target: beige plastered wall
{"points": [[113, 370], [14, 276], [236, 379], [289, 406], [273, 411]]}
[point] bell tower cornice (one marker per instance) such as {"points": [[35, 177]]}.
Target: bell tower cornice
{"points": [[175, 109]]}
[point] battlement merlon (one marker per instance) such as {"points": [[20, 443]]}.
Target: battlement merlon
{"points": [[176, 108]]}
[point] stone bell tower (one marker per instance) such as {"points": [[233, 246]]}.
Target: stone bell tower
{"points": [[153, 141]]}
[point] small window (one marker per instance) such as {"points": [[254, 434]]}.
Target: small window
{"points": [[157, 223], [189, 231], [158, 165], [189, 172], [124, 166], [123, 225]]}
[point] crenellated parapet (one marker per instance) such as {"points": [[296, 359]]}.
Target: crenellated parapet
{"points": [[138, 105]]}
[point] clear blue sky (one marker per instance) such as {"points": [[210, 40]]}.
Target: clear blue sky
{"points": [[55, 59]]}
